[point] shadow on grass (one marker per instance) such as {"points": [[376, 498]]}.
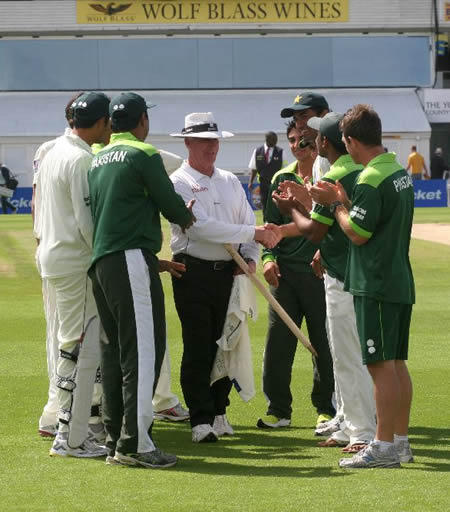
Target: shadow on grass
{"points": [[425, 443], [263, 453]]}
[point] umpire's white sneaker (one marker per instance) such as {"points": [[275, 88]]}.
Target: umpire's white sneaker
{"points": [[222, 427], [204, 433], [88, 449]]}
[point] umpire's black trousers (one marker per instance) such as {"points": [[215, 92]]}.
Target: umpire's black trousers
{"points": [[201, 299]]}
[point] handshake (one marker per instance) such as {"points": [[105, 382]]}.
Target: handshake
{"points": [[268, 235]]}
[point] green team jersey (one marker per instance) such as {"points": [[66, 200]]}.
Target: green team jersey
{"points": [[97, 147], [294, 253], [128, 188], [382, 211], [335, 245]]}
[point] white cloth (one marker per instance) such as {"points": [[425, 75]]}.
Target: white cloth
{"points": [[171, 161], [234, 355], [352, 377], [252, 163], [223, 215], [63, 217]]}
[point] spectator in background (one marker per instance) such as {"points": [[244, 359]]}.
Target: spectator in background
{"points": [[7, 182], [416, 164], [437, 165], [266, 160]]}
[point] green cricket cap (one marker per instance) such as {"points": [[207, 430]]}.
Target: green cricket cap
{"points": [[90, 106], [328, 125], [128, 105], [303, 101]]}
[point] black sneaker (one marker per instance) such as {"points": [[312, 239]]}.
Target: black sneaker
{"points": [[154, 459]]}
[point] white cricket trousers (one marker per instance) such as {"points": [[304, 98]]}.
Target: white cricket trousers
{"points": [[77, 313], [164, 398], [49, 416], [353, 381]]}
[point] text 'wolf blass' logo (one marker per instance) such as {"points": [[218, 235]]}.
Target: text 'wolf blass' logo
{"points": [[111, 8]]}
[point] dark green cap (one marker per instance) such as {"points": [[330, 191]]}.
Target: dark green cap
{"points": [[128, 105], [303, 101], [90, 106], [328, 125]]}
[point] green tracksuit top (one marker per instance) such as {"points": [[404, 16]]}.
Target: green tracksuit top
{"points": [[295, 253], [129, 188]]}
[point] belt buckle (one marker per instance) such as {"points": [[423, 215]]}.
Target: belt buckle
{"points": [[219, 265]]}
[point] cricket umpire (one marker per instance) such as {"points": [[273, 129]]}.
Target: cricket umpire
{"points": [[202, 293]]}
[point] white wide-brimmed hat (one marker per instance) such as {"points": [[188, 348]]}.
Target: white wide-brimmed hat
{"points": [[201, 125]]}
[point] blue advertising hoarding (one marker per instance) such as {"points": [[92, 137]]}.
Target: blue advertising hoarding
{"points": [[427, 193], [21, 199], [430, 193]]}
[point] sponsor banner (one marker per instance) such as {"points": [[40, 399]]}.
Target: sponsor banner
{"points": [[254, 198], [446, 11], [430, 193], [437, 105], [21, 199], [228, 11]]}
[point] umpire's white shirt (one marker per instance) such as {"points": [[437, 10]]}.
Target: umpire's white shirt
{"points": [[223, 214], [63, 213]]}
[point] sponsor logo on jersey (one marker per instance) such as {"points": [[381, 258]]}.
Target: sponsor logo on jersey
{"points": [[198, 188]]}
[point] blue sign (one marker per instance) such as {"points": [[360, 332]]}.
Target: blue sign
{"points": [[254, 198], [21, 199], [430, 193]]}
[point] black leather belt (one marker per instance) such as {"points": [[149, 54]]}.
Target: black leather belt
{"points": [[207, 264]]}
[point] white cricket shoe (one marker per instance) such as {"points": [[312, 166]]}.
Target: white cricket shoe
{"points": [[97, 433], [327, 428], [88, 449], [222, 426], [204, 433], [372, 457], [404, 452], [177, 413]]}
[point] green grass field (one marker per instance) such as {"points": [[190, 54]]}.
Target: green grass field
{"points": [[253, 471]]}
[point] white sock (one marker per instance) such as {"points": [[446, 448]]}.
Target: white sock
{"points": [[383, 445], [398, 439]]}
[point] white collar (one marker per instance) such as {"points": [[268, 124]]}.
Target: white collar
{"points": [[194, 173]]}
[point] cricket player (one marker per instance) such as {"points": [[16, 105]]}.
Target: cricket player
{"points": [[378, 221], [64, 228]]}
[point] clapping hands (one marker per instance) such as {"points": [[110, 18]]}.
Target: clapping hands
{"points": [[326, 193]]}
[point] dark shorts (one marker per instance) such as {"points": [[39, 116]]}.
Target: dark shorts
{"points": [[383, 329]]}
